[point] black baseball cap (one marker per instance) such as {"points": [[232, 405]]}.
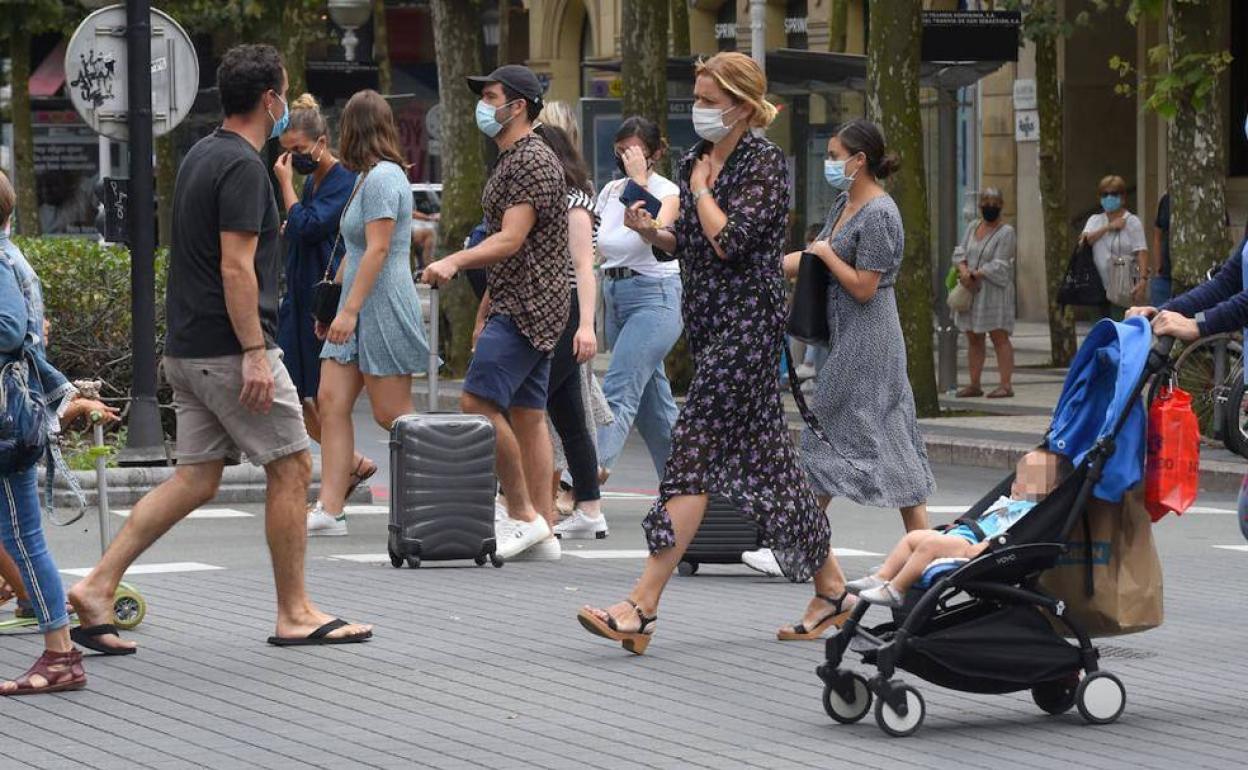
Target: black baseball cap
{"points": [[517, 77]]}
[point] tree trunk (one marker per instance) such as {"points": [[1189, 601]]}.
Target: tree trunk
{"points": [[381, 47], [27, 222], [643, 49], [838, 26], [1057, 240], [1196, 150], [680, 27], [457, 37], [166, 175], [503, 55], [893, 103]]}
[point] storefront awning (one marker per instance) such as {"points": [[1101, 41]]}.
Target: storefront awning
{"points": [[792, 71], [49, 76]]}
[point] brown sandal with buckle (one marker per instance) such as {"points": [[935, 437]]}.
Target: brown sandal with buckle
{"points": [[60, 671], [635, 642], [360, 478], [799, 631]]}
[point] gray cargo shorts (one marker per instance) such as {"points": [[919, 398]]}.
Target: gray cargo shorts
{"points": [[213, 425]]}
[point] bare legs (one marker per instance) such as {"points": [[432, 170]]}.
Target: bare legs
{"points": [[510, 462], [312, 421], [914, 552], [977, 354], [391, 398]]}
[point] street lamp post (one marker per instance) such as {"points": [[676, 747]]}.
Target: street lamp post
{"points": [[144, 437], [350, 15], [758, 33]]}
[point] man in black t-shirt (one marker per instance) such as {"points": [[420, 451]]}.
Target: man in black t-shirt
{"points": [[232, 394]]}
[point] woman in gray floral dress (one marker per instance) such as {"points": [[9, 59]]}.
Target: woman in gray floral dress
{"points": [[862, 395], [731, 439]]}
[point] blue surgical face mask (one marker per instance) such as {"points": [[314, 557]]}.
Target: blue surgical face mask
{"points": [[280, 124], [486, 121], [834, 173], [1111, 203]]}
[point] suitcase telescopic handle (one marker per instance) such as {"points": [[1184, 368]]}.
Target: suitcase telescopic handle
{"points": [[433, 348]]}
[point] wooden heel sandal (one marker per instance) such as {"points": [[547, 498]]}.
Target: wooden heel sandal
{"points": [[836, 617], [635, 642]]}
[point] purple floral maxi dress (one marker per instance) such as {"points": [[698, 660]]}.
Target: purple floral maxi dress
{"points": [[732, 438]]}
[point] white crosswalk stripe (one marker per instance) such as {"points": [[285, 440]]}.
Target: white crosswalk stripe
{"points": [[152, 569]]}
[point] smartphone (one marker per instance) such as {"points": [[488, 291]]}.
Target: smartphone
{"points": [[634, 192]]}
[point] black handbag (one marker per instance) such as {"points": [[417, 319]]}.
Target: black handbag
{"points": [[1082, 284], [327, 293], [808, 317]]}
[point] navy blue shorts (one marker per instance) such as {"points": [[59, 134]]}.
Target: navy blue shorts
{"points": [[506, 369]]}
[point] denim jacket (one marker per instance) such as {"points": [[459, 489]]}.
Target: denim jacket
{"points": [[56, 389]]}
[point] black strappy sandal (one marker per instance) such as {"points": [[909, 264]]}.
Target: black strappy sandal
{"points": [[635, 642], [836, 617], [359, 478]]}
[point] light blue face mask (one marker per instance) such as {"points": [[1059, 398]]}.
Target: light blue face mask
{"points": [[486, 121], [280, 124], [1111, 203], [834, 173]]}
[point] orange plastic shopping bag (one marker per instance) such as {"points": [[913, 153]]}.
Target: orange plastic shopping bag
{"points": [[1172, 465]]}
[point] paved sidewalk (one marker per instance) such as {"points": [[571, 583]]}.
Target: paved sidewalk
{"points": [[487, 667]]}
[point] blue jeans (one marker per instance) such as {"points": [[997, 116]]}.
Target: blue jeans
{"points": [[1159, 289], [21, 528], [643, 323]]}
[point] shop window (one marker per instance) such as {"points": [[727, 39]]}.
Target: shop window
{"points": [[726, 26]]}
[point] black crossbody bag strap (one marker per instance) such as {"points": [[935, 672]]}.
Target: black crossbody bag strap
{"points": [[330, 270]]}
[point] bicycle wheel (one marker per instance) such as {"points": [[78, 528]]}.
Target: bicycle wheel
{"points": [[1205, 369], [1236, 438]]}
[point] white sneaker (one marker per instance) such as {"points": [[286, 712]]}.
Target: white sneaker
{"points": [[764, 561], [515, 536], [323, 524], [805, 372], [547, 550], [582, 526], [500, 511]]}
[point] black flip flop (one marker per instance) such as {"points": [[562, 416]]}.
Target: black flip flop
{"points": [[84, 636], [321, 636]]}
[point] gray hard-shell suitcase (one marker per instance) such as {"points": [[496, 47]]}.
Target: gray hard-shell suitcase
{"points": [[442, 481], [725, 533]]}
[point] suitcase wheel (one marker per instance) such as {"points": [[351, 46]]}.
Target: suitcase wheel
{"points": [[396, 561], [496, 560], [413, 562], [687, 568], [480, 560]]}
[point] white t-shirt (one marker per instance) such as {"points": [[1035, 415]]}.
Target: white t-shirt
{"points": [[1125, 242], [621, 247]]}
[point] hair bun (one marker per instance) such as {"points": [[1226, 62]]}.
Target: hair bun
{"points": [[305, 102], [887, 166]]}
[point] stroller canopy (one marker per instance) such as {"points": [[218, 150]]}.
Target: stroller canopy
{"points": [[1098, 389]]}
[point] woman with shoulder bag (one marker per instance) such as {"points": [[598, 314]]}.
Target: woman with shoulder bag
{"points": [[310, 232], [986, 270], [376, 342], [1119, 248], [39, 398]]}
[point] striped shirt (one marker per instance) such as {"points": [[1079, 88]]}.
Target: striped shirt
{"points": [[582, 200]]}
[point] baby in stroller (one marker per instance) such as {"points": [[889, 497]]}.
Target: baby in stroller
{"points": [[1039, 472]]}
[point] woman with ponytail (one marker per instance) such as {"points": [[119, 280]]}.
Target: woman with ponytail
{"points": [[310, 231]]}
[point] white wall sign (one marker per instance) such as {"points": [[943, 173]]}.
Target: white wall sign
{"points": [[1026, 126], [1025, 94]]}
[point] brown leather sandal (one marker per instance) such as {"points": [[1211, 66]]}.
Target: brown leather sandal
{"points": [[799, 631], [360, 478], [60, 671], [1002, 392], [969, 392], [635, 642]]}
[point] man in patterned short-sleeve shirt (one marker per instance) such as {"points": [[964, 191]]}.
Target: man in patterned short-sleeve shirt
{"points": [[526, 306]]}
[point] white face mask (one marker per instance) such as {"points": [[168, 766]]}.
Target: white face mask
{"points": [[708, 123]]}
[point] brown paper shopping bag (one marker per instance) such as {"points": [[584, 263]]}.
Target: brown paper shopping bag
{"points": [[1126, 590]]}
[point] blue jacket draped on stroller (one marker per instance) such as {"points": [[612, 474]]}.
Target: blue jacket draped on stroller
{"points": [[978, 625]]}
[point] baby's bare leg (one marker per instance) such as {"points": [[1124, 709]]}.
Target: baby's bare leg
{"points": [[902, 551], [930, 549]]}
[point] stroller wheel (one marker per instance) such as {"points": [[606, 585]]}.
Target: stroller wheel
{"points": [[895, 724], [1055, 697], [1101, 698], [850, 711]]}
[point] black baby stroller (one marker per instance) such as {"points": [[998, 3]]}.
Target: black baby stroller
{"points": [[978, 625]]}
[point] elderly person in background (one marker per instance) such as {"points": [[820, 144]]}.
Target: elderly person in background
{"points": [[1117, 233], [987, 269]]}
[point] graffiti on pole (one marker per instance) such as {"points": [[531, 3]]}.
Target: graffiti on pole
{"points": [[94, 80]]}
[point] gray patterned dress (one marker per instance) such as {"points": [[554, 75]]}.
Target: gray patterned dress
{"points": [[862, 395], [993, 307]]}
